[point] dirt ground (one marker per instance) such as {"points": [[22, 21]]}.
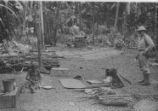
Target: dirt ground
{"points": [[92, 60]]}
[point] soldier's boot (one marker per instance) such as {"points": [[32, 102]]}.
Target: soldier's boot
{"points": [[146, 80], [142, 80]]}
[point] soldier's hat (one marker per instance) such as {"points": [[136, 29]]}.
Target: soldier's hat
{"points": [[141, 28]]}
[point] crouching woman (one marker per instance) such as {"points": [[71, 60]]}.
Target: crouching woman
{"points": [[34, 78]]}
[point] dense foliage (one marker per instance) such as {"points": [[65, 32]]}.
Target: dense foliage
{"points": [[90, 16]]}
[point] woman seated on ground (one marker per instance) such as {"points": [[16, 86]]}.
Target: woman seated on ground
{"points": [[34, 78]]}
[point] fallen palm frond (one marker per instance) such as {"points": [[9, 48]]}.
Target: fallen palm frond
{"points": [[8, 9]]}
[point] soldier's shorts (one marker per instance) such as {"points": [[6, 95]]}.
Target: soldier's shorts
{"points": [[143, 63]]}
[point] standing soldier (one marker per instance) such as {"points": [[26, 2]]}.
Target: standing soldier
{"points": [[145, 45]]}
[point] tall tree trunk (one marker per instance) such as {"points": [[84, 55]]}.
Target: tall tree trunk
{"points": [[55, 36], [93, 27], [42, 23], [80, 18], [116, 16], [39, 44], [97, 30], [25, 25], [124, 25], [24, 22], [126, 12], [39, 35], [7, 32], [56, 25], [155, 21]]}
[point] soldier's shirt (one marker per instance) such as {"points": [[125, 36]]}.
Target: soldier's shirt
{"points": [[144, 42]]}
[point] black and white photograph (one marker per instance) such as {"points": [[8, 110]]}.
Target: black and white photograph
{"points": [[78, 55]]}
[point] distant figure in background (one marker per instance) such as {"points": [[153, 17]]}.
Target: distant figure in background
{"points": [[34, 78], [75, 30], [145, 45], [5, 45]]}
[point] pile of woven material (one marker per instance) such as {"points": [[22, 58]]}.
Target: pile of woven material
{"points": [[4, 68], [8, 65], [18, 63], [15, 56]]}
